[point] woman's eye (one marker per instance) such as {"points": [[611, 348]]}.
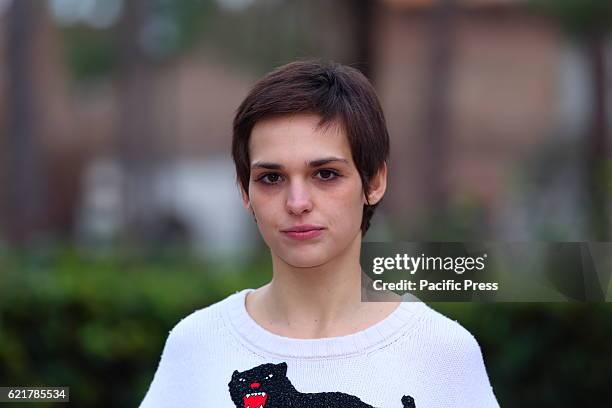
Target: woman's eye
{"points": [[327, 174], [269, 178]]}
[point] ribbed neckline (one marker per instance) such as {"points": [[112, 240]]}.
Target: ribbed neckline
{"points": [[258, 339]]}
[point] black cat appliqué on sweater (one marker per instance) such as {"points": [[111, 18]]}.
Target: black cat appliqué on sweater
{"points": [[267, 386]]}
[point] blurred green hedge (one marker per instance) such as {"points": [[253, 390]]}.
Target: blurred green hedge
{"points": [[543, 354], [99, 324]]}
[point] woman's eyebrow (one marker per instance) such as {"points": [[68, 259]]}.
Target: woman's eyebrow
{"points": [[326, 160], [266, 165], [312, 163]]}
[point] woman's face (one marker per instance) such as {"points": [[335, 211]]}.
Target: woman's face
{"points": [[304, 189]]}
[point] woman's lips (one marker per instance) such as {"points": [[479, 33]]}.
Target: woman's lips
{"points": [[302, 234]]}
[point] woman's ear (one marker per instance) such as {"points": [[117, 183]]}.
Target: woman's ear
{"points": [[378, 185], [246, 202]]}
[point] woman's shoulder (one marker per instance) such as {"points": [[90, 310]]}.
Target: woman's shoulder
{"points": [[453, 357], [202, 322], [444, 325], [445, 336]]}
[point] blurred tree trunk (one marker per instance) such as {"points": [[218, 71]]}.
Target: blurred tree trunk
{"points": [[348, 42], [437, 116], [598, 172], [363, 11], [24, 201], [137, 139], [590, 22]]}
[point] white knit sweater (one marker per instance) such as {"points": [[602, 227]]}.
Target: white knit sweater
{"points": [[219, 357]]}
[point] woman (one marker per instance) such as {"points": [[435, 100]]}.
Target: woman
{"points": [[310, 147]]}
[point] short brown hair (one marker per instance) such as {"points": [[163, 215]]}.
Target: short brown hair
{"points": [[338, 94]]}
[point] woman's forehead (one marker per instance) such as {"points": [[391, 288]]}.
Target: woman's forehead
{"points": [[297, 138]]}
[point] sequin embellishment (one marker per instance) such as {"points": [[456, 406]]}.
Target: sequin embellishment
{"points": [[267, 386]]}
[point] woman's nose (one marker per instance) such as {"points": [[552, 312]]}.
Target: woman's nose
{"points": [[298, 199]]}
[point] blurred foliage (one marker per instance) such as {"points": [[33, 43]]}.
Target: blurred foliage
{"points": [[89, 53], [465, 218], [268, 34], [578, 16], [98, 325], [175, 27], [542, 354]]}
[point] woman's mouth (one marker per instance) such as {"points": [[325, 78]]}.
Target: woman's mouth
{"points": [[303, 232]]}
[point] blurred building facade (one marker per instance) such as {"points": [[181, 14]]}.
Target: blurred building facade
{"points": [[473, 91], [470, 90]]}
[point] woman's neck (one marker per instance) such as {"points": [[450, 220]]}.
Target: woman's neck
{"points": [[322, 301]]}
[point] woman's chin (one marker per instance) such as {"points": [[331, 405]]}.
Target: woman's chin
{"points": [[305, 260]]}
